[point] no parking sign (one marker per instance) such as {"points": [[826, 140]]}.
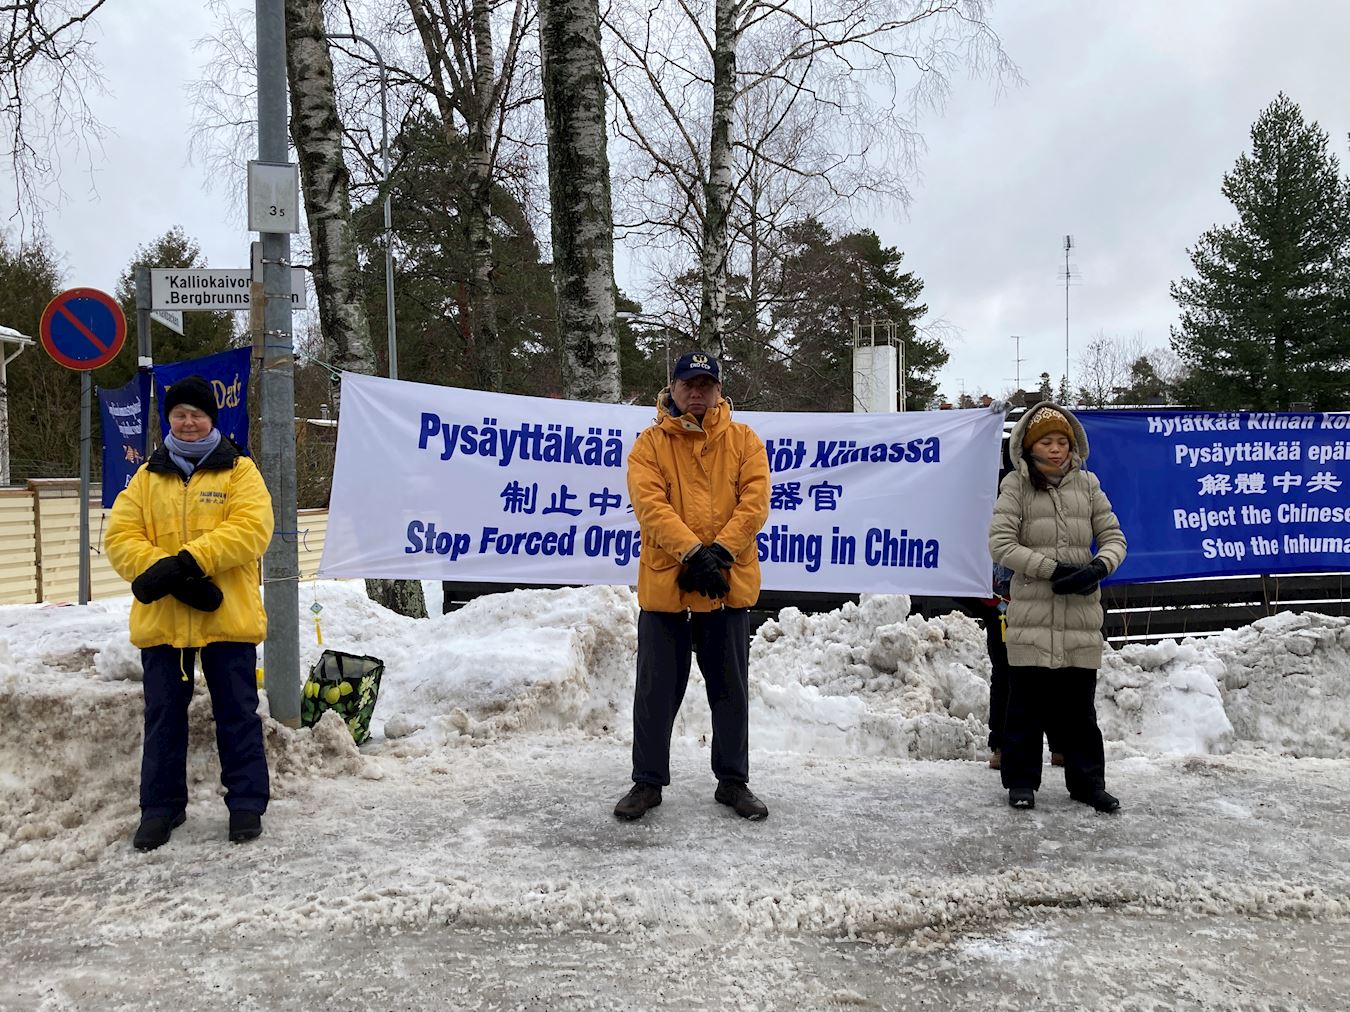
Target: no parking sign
{"points": [[83, 328]]}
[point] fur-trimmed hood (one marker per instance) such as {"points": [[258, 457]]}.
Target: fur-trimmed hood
{"points": [[1077, 456]]}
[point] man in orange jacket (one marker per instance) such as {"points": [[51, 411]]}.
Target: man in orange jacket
{"points": [[699, 484]]}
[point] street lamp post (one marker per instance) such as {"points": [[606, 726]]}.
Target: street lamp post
{"points": [[388, 218]]}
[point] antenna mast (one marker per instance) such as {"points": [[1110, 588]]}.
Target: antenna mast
{"points": [[1068, 277]]}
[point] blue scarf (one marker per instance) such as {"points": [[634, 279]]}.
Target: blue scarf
{"points": [[188, 455]]}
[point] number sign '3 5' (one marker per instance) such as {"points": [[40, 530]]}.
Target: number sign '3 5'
{"points": [[273, 197]]}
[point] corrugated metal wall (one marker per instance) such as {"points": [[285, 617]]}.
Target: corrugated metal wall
{"points": [[57, 535], [40, 544], [313, 527], [18, 548]]}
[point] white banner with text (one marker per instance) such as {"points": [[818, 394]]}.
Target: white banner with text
{"points": [[438, 483]]}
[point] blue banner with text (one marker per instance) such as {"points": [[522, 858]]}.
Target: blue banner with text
{"points": [[1225, 493], [228, 373], [121, 413]]}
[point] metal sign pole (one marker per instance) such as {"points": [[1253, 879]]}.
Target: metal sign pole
{"points": [[145, 357], [82, 329], [281, 565], [86, 397]]}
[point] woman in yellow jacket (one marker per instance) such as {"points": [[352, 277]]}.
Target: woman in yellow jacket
{"points": [[188, 533], [699, 484]]}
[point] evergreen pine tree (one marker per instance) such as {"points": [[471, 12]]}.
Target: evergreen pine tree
{"points": [[434, 272], [1263, 321], [44, 396], [1145, 385], [1045, 391], [827, 283], [203, 333]]}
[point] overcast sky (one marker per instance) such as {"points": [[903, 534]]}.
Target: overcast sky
{"points": [[1130, 114]]}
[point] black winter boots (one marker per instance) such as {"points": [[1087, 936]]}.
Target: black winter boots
{"points": [[1022, 797], [1098, 799], [155, 830], [738, 796], [731, 793], [245, 826], [635, 803]]}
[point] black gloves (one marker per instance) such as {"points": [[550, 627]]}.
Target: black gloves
{"points": [[703, 572], [194, 589], [724, 558], [191, 571], [1078, 579], [1062, 569], [200, 594], [158, 580], [180, 576]]}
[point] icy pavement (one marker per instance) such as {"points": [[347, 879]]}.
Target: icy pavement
{"points": [[496, 877], [468, 857]]}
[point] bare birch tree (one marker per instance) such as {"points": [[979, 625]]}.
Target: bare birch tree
{"points": [[719, 188], [46, 65], [316, 132], [578, 181], [861, 72], [475, 89]]}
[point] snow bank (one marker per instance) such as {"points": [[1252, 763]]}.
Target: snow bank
{"points": [[513, 663], [872, 678], [1282, 684], [869, 679], [70, 757], [1285, 682], [70, 765], [1163, 698]]}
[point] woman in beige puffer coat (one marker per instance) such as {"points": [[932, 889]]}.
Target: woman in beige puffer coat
{"points": [[1050, 516]]}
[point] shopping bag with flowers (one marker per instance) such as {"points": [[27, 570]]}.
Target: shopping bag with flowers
{"points": [[347, 683]]}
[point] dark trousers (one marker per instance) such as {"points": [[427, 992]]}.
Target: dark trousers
{"points": [[721, 641], [998, 679], [231, 678], [998, 688], [1060, 701]]}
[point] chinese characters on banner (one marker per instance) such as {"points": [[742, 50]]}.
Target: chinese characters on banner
{"points": [[440, 483], [1208, 494]]}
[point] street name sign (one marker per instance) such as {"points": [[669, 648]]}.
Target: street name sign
{"points": [[214, 290], [171, 318]]}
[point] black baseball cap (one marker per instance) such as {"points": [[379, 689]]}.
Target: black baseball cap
{"points": [[697, 363]]}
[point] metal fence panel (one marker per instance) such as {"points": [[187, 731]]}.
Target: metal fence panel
{"points": [[40, 544], [18, 548]]}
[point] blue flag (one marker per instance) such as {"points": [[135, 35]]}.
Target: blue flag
{"points": [[228, 373], [122, 414], [1224, 493]]}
